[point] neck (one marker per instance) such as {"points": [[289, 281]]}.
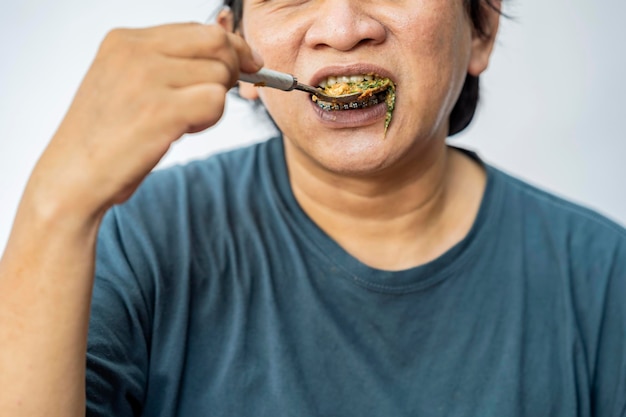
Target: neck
{"points": [[396, 218]]}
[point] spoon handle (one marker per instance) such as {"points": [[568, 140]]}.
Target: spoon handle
{"points": [[270, 78]]}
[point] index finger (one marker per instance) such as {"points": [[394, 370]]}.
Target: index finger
{"points": [[196, 40]]}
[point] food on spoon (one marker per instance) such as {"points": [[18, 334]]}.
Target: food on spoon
{"points": [[365, 86], [373, 89]]}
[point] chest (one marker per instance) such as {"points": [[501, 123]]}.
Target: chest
{"points": [[304, 351]]}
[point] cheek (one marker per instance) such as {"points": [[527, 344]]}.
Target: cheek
{"points": [[433, 38], [438, 40], [438, 32], [276, 38], [278, 49], [283, 107]]}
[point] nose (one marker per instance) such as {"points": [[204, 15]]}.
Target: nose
{"points": [[345, 24]]}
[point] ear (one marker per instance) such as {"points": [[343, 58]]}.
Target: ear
{"points": [[225, 19], [482, 43], [248, 91]]}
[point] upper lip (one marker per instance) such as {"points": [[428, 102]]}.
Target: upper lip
{"points": [[353, 69]]}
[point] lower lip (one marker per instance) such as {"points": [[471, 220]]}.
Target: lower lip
{"points": [[351, 118]]}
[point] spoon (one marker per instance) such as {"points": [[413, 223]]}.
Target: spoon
{"points": [[286, 82]]}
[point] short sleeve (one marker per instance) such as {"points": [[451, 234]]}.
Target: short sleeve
{"points": [[119, 328], [609, 387]]}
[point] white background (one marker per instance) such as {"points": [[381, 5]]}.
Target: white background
{"points": [[552, 106]]}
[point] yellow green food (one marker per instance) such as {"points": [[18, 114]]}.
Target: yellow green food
{"points": [[391, 103], [367, 88]]}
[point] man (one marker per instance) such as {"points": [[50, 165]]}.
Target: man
{"points": [[337, 270]]}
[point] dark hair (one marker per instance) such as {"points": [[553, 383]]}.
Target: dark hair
{"points": [[465, 107]]}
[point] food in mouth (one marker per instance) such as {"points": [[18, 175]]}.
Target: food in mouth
{"points": [[374, 90]]}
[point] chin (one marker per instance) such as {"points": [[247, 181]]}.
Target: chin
{"points": [[363, 151], [354, 155]]}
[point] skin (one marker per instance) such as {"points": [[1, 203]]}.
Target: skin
{"points": [[373, 196], [176, 78]]}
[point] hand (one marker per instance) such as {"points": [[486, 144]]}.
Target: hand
{"points": [[144, 90]]}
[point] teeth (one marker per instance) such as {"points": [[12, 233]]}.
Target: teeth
{"points": [[371, 101], [330, 81]]}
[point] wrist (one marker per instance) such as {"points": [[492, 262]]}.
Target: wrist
{"points": [[44, 211]]}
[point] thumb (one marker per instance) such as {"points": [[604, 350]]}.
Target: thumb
{"points": [[249, 60]]}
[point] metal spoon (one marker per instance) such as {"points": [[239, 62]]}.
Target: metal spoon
{"points": [[286, 82]]}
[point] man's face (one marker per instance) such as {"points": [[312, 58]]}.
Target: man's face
{"points": [[424, 46]]}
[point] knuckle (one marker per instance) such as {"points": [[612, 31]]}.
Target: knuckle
{"points": [[216, 37], [124, 53], [116, 37], [217, 32], [119, 43], [216, 101], [223, 75], [211, 99], [217, 93]]}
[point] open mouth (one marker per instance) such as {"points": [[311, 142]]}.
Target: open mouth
{"points": [[373, 90]]}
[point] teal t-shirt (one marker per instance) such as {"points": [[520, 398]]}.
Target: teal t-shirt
{"points": [[216, 295]]}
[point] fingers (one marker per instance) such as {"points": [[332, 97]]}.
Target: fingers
{"points": [[184, 54], [180, 73], [200, 106], [249, 61], [169, 57], [144, 90], [195, 40]]}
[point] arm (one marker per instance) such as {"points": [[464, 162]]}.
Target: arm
{"points": [[145, 89]]}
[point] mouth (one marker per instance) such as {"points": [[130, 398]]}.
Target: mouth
{"points": [[373, 90]]}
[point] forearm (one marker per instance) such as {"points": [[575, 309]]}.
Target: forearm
{"points": [[46, 277], [175, 81]]}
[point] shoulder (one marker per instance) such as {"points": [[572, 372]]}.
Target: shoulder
{"points": [[584, 251], [177, 206], [202, 177], [550, 212], [577, 258], [168, 193]]}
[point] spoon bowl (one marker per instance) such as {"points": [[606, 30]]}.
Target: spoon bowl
{"points": [[287, 82]]}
